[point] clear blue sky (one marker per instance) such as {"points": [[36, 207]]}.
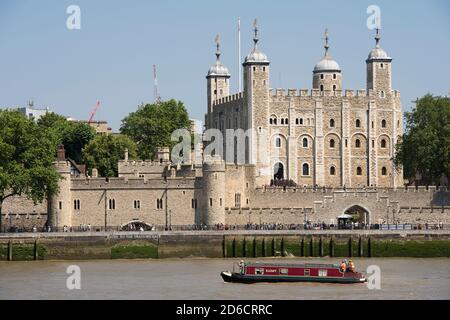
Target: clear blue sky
{"points": [[111, 57]]}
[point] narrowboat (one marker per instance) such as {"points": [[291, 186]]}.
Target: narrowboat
{"points": [[251, 272]]}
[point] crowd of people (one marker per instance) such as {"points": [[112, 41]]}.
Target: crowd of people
{"points": [[308, 225]]}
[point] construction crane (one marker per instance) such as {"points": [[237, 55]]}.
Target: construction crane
{"points": [[94, 110], [156, 89]]}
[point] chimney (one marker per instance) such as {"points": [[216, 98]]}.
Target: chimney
{"points": [[61, 153]]}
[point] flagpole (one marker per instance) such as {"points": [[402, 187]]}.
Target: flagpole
{"points": [[239, 54]]}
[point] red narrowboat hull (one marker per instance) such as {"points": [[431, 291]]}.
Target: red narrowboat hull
{"points": [[323, 273]]}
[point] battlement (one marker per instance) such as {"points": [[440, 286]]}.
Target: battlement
{"points": [[132, 183], [279, 93], [142, 163], [230, 98], [299, 189]]}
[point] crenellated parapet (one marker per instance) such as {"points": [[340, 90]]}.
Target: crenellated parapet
{"points": [[347, 93], [231, 98]]}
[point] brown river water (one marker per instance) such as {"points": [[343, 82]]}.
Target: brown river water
{"points": [[406, 278]]}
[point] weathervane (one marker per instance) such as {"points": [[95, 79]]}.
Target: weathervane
{"points": [[377, 37], [326, 46], [217, 41], [255, 28]]}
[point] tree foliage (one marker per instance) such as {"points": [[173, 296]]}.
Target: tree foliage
{"points": [[104, 152], [151, 126], [425, 147], [73, 135], [26, 157]]}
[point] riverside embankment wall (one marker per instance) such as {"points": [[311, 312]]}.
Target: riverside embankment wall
{"points": [[211, 244]]}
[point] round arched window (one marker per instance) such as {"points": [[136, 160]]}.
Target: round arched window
{"points": [[332, 171], [358, 171]]}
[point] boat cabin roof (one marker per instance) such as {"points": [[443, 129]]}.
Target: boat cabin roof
{"points": [[297, 265]]}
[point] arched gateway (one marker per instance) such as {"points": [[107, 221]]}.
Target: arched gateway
{"points": [[358, 214], [136, 225]]}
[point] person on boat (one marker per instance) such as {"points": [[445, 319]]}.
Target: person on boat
{"points": [[351, 266], [241, 267], [344, 265]]}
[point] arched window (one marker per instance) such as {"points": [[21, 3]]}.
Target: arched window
{"points": [[305, 142], [382, 95], [270, 121], [383, 123], [332, 171], [282, 120], [332, 143], [286, 121], [306, 169], [383, 143], [296, 121], [278, 142], [321, 87], [334, 87], [301, 120], [358, 171], [321, 76], [275, 121], [358, 123], [357, 143], [334, 75], [331, 123], [383, 171]]}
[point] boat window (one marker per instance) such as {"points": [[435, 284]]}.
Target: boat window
{"points": [[259, 271], [322, 273], [283, 271], [306, 272]]}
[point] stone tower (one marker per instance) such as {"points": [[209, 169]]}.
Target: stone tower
{"points": [[327, 73], [256, 93], [60, 205], [218, 82], [379, 70], [214, 191]]}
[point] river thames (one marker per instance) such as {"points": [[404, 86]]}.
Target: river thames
{"points": [[401, 278]]}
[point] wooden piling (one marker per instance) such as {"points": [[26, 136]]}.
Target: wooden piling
{"points": [[263, 247], [10, 250], [331, 247], [350, 247], [233, 246], [36, 254], [320, 247], [360, 247]]}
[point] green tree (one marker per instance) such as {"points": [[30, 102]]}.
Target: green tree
{"points": [[104, 152], [425, 147], [73, 135], [152, 125], [26, 157]]}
